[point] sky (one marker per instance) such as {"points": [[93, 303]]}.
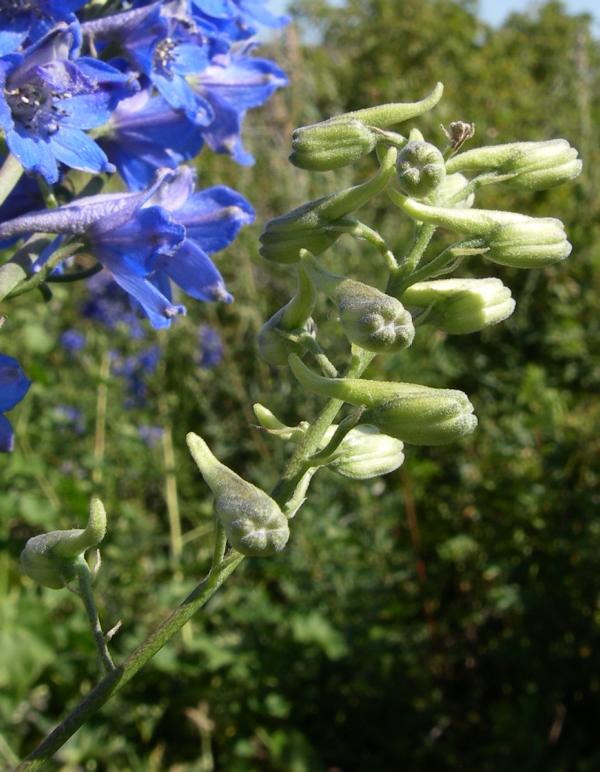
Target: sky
{"points": [[495, 11]]}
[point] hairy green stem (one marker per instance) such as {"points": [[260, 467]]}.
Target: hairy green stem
{"points": [[32, 282], [10, 174], [18, 268], [84, 579]]}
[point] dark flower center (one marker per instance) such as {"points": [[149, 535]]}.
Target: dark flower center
{"points": [[32, 105]]}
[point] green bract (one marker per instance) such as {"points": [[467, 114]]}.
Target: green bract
{"points": [[253, 522], [281, 335], [317, 225]]}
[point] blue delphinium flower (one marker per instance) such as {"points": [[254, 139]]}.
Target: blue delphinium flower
{"points": [[162, 42], [29, 20], [144, 134], [69, 417], [232, 84], [72, 341], [135, 370], [147, 239], [150, 435], [14, 385], [237, 18], [211, 347], [47, 101]]}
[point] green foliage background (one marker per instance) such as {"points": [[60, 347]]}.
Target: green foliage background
{"points": [[444, 617]]}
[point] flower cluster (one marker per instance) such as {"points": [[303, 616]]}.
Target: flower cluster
{"points": [[136, 92]]}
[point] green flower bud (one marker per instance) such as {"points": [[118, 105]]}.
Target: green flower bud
{"points": [[51, 559], [331, 144], [366, 452], [371, 319], [363, 453], [532, 243], [253, 522], [345, 139], [512, 239], [416, 414], [421, 169], [537, 165], [462, 306], [318, 224], [294, 319]]}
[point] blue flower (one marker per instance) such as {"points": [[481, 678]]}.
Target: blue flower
{"points": [[14, 385], [145, 134], [165, 44], [70, 417], [47, 101], [30, 20], [72, 341], [237, 18], [134, 370], [150, 435], [211, 347], [147, 239], [232, 84]]}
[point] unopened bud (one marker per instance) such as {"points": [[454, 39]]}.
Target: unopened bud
{"points": [[421, 169], [536, 165], [331, 144], [410, 412], [512, 239], [461, 306], [51, 559], [532, 243], [371, 319], [253, 521], [317, 225], [366, 452]]}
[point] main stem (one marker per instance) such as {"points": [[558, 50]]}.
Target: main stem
{"points": [[117, 678]]}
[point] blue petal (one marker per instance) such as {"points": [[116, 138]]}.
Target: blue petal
{"points": [[213, 217], [257, 10], [137, 244], [33, 153], [13, 34], [196, 274], [178, 93], [14, 384], [218, 8], [76, 149], [156, 306], [7, 436], [244, 82], [223, 134]]}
